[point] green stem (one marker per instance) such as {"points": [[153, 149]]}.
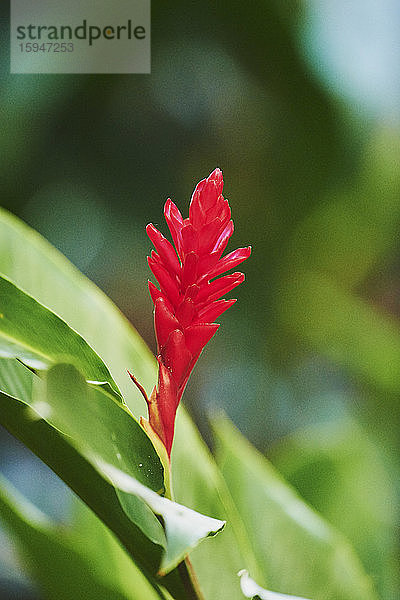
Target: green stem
{"points": [[194, 583], [185, 568]]}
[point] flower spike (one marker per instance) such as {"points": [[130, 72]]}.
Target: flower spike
{"points": [[188, 301]]}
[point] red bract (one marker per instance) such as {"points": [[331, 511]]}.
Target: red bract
{"points": [[188, 302]]}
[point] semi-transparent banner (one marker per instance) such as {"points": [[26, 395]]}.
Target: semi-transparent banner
{"points": [[80, 36]]}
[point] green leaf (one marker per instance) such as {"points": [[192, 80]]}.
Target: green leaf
{"points": [[43, 272], [38, 538], [176, 518], [344, 475], [96, 424], [113, 563], [57, 451], [39, 338], [102, 431], [301, 553]]}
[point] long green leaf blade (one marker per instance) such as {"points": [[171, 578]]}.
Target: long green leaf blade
{"points": [[39, 269], [55, 450], [302, 554], [38, 538], [39, 338]]}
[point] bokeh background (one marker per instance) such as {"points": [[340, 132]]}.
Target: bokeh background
{"points": [[299, 104]]}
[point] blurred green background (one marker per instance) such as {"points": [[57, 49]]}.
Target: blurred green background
{"points": [[299, 104]]}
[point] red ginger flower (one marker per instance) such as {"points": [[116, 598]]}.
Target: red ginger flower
{"points": [[188, 302]]}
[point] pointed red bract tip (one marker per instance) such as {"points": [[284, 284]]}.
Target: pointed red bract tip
{"points": [[188, 301]]}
